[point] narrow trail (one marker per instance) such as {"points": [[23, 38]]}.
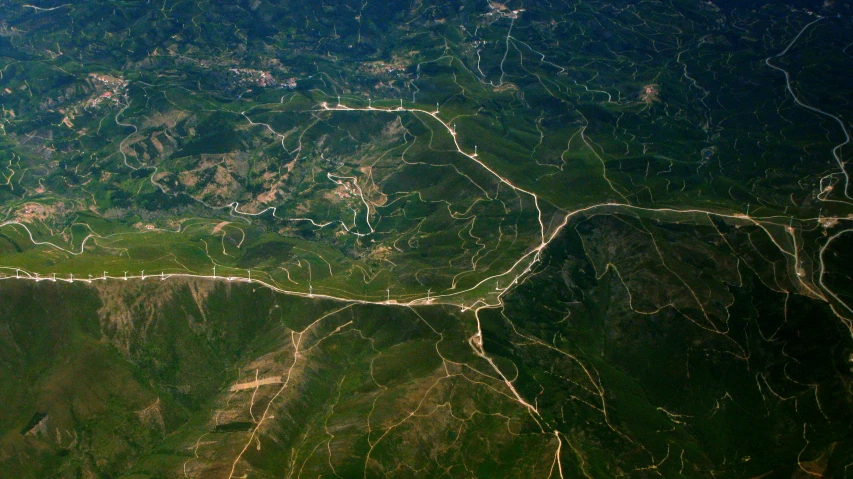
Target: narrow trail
{"points": [[807, 274], [517, 273], [836, 152], [511, 276]]}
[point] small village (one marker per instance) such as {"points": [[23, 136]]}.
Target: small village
{"points": [[108, 89], [248, 77]]}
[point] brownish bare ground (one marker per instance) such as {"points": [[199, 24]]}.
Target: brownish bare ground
{"points": [[255, 384], [30, 212]]}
